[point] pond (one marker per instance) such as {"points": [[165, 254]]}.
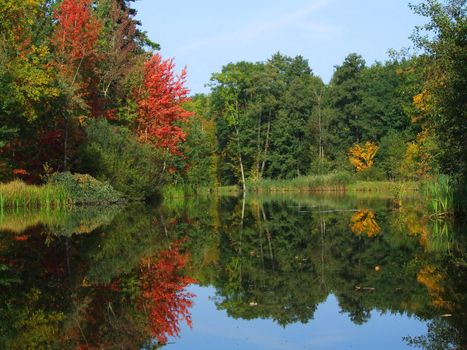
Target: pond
{"points": [[221, 272]]}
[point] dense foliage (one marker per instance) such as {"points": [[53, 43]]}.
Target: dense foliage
{"points": [[66, 66], [277, 120]]}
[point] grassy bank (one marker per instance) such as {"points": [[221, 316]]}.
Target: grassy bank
{"points": [[62, 190], [181, 191], [339, 184], [334, 182], [17, 194], [327, 182], [388, 187]]}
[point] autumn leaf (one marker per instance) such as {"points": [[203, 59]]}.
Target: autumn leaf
{"points": [[364, 222], [363, 157], [161, 106]]}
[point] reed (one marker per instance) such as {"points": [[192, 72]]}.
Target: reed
{"points": [[177, 191], [19, 195], [440, 196], [327, 182]]}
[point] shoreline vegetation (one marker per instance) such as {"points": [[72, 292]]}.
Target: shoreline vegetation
{"points": [[62, 190], [327, 183], [437, 192], [93, 114]]}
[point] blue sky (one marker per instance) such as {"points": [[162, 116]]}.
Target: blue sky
{"points": [[205, 35]]}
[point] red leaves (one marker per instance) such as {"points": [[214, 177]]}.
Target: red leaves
{"points": [[17, 172], [161, 106], [163, 293], [20, 238], [76, 33]]}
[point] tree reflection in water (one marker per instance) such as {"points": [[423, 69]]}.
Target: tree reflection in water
{"points": [[123, 286]]}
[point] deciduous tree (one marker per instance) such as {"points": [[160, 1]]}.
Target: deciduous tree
{"points": [[160, 107]]}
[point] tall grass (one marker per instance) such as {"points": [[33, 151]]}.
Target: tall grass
{"points": [[182, 191], [17, 194], [327, 182], [177, 191], [395, 188], [440, 196]]}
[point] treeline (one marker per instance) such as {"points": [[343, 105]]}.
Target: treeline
{"points": [[82, 89], [276, 119]]}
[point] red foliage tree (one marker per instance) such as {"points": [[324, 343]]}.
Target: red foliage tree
{"points": [[161, 106], [76, 33], [74, 38], [164, 292]]}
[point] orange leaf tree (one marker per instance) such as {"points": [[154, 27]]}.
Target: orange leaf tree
{"points": [[74, 39], [363, 157], [75, 35], [364, 221], [160, 108], [164, 295]]}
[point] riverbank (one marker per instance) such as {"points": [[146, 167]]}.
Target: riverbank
{"points": [[334, 182], [61, 191]]}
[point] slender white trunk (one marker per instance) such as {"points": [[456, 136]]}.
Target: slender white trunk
{"points": [[266, 146]]}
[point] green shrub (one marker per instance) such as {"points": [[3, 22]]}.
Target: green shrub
{"points": [[84, 189], [392, 149], [375, 173], [114, 155]]}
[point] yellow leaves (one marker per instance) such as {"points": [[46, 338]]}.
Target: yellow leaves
{"points": [[33, 79], [17, 13], [363, 157], [434, 279], [420, 155], [364, 222], [424, 103]]}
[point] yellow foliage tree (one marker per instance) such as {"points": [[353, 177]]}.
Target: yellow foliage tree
{"points": [[420, 156], [364, 221], [363, 157], [434, 280]]}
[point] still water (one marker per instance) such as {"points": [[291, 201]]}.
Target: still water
{"points": [[277, 272]]}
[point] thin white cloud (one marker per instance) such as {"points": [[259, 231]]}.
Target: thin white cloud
{"points": [[298, 18], [321, 27]]}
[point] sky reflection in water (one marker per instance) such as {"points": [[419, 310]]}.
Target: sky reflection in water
{"points": [[330, 329]]}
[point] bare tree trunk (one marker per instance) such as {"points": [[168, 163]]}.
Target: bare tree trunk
{"points": [[260, 234], [323, 233], [258, 148], [242, 170], [65, 141], [318, 96], [266, 146], [268, 235]]}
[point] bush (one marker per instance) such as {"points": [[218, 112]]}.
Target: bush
{"points": [[114, 155], [84, 189], [375, 173], [391, 154]]}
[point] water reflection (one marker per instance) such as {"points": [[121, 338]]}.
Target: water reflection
{"points": [[124, 285]]}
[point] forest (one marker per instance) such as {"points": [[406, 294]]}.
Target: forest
{"points": [[122, 193], [87, 101]]}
